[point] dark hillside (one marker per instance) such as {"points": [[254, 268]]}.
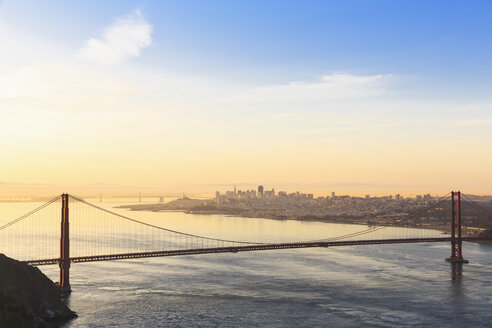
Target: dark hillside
{"points": [[28, 298]]}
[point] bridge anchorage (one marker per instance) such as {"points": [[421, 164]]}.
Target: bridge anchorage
{"points": [[88, 233]]}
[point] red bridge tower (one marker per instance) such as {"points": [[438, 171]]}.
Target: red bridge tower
{"points": [[64, 284], [456, 241]]}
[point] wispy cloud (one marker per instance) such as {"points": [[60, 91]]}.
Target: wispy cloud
{"points": [[332, 86], [124, 39]]}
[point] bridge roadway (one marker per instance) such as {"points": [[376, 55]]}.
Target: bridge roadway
{"points": [[248, 248]]}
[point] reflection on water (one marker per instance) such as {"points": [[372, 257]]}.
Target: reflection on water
{"points": [[372, 286], [457, 288], [456, 272], [458, 293]]}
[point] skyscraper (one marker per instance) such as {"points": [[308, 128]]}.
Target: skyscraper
{"points": [[260, 191]]}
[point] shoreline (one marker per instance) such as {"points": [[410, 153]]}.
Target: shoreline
{"points": [[441, 228], [340, 220], [308, 219]]}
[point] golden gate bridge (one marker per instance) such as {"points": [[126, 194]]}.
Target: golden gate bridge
{"points": [[85, 232]]}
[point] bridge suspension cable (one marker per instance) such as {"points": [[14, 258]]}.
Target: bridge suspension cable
{"points": [[161, 228], [355, 234], [22, 217], [477, 206], [374, 229], [429, 207], [33, 235]]}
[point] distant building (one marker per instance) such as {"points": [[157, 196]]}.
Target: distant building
{"points": [[249, 193], [260, 191], [397, 196], [217, 195], [332, 194]]}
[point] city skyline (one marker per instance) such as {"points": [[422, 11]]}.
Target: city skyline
{"points": [[381, 97], [18, 191]]}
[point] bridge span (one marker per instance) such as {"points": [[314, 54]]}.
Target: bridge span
{"points": [[89, 233], [261, 247]]}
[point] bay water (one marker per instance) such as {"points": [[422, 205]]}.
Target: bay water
{"points": [[403, 285]]}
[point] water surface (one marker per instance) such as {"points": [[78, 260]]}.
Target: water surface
{"points": [[406, 285]]}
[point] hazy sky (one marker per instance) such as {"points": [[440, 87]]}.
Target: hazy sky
{"points": [[351, 96]]}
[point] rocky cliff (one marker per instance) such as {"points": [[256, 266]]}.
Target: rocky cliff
{"points": [[28, 298]]}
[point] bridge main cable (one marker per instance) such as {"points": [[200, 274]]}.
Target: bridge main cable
{"points": [[378, 228], [22, 217], [161, 228], [477, 206]]}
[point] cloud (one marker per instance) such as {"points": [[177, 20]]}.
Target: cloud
{"points": [[124, 39], [62, 86], [332, 86]]}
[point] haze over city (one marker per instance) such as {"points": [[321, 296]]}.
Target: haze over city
{"points": [[356, 97]]}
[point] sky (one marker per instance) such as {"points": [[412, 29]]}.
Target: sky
{"points": [[357, 97]]}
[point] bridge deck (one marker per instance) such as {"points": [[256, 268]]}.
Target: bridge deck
{"points": [[248, 248]]}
